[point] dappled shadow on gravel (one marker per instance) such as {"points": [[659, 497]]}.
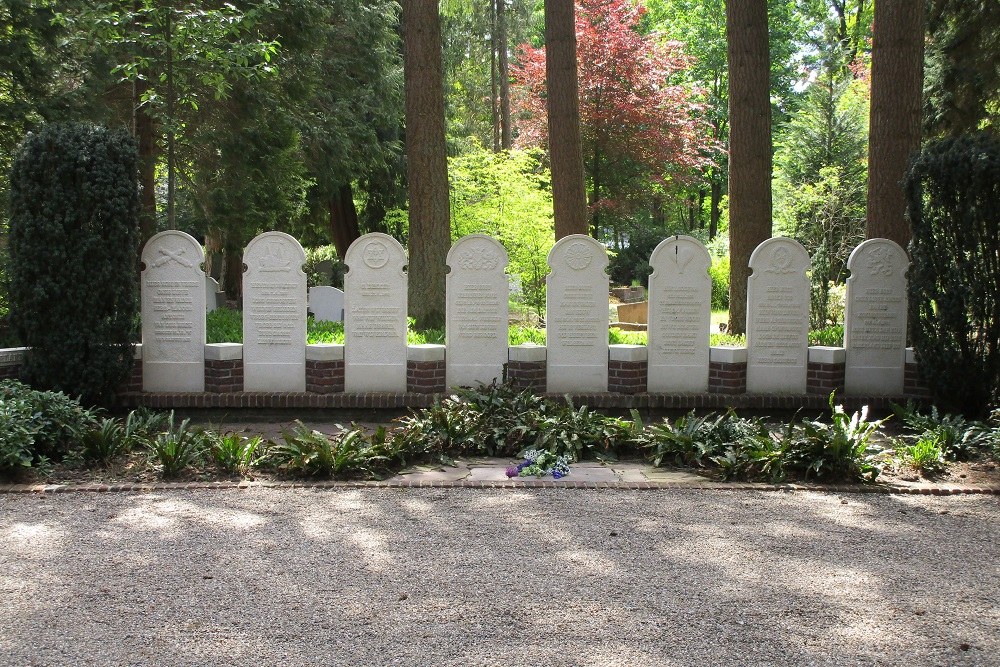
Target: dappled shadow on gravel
{"points": [[499, 577]]}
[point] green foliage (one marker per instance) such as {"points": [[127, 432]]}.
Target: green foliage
{"points": [[177, 448], [841, 449], [820, 182], [224, 325], [925, 455], [958, 438], [509, 197], [307, 453], [719, 271], [953, 192], [617, 336], [236, 453], [72, 270], [686, 441], [325, 253], [18, 430], [56, 421], [105, 442], [518, 335], [832, 336]]}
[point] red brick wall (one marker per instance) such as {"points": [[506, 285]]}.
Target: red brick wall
{"points": [[528, 375], [627, 377], [425, 377], [825, 378], [223, 377], [324, 377], [725, 378]]}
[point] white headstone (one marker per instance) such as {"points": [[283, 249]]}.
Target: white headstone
{"points": [[680, 315], [778, 318], [375, 315], [577, 316], [173, 314], [875, 319], [214, 296], [476, 328], [326, 303], [274, 314]]}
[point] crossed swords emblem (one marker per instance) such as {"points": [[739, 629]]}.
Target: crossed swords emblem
{"points": [[172, 255]]}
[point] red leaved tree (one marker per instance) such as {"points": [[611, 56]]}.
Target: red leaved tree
{"points": [[640, 124]]}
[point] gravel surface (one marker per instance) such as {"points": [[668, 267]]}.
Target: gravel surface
{"points": [[498, 577]]}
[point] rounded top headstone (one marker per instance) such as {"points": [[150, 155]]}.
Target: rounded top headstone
{"points": [[577, 252], [685, 253], [477, 252], [173, 247], [878, 258], [375, 251], [274, 252], [781, 256]]}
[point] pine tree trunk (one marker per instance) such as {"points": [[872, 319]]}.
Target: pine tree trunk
{"points": [[146, 139], [426, 162], [344, 229], [504, 75], [749, 145], [569, 197], [896, 100]]}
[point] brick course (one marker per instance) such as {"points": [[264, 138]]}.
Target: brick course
{"points": [[627, 377], [527, 375], [726, 378], [324, 377], [825, 378], [425, 377], [223, 377]]}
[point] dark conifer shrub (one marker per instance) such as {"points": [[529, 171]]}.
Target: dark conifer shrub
{"points": [[953, 192], [72, 276]]}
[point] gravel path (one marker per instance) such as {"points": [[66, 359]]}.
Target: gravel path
{"points": [[499, 577]]}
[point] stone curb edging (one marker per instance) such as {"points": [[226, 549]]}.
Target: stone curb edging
{"points": [[43, 489]]}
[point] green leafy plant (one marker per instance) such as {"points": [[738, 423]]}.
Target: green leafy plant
{"points": [[176, 448], [688, 440], [953, 193], [925, 455], [236, 453], [18, 430], [841, 449], [959, 439], [105, 442], [73, 239], [309, 453], [57, 421]]}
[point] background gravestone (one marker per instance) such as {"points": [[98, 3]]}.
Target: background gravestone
{"points": [[274, 314], [477, 296], [375, 315], [576, 316], [326, 303], [875, 319], [778, 318], [680, 314], [173, 314], [214, 296]]}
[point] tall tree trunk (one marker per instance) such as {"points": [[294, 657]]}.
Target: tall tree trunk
{"points": [[896, 100], [749, 145], [504, 74], [569, 198], [426, 162], [144, 129], [344, 228], [715, 207], [145, 135], [494, 67]]}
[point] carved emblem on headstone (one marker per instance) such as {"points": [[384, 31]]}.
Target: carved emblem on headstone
{"points": [[172, 255], [681, 260], [376, 255], [478, 259], [579, 256], [273, 260], [781, 261], [879, 262]]}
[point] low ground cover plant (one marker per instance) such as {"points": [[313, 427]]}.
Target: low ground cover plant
{"points": [[547, 434]]}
